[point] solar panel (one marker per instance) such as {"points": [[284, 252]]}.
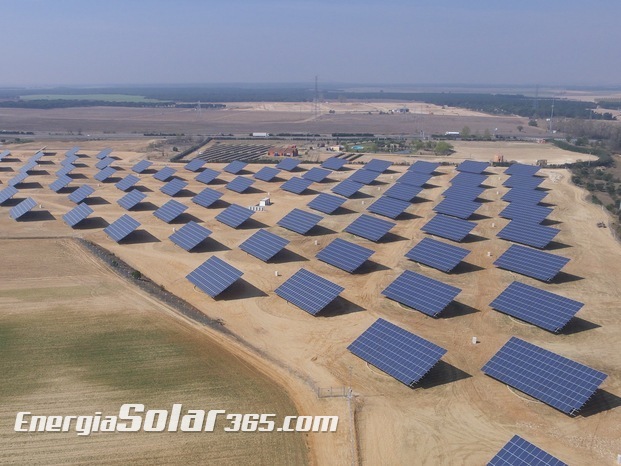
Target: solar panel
{"points": [[388, 207], [174, 186], [369, 227], [288, 164], [128, 182], [524, 196], [69, 160], [316, 174], [457, 207], [463, 191], [195, 165], [522, 169], [531, 262], [5, 153], [64, 170], [527, 233], [235, 167], [363, 176], [23, 207], [72, 151], [103, 153], [234, 215], [296, 185], [214, 276], [344, 255], [104, 163], [264, 245], [131, 199], [414, 178], [239, 184], [81, 193], [299, 221], [448, 227], [397, 352], [266, 174], [207, 175], [333, 163], [523, 181], [17, 179], [471, 179], [326, 203], [526, 212], [7, 193], [30, 165], [164, 173], [436, 254], [121, 228], [420, 166], [471, 166], [170, 211], [142, 166], [60, 183], [553, 379], [422, 293], [519, 452], [308, 291], [190, 235], [377, 165], [206, 197], [347, 188], [37, 156], [403, 192], [104, 174], [77, 214]]}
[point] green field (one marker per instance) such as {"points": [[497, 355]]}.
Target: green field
{"points": [[98, 97]]}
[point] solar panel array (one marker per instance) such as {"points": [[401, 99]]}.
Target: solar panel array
{"points": [[207, 175], [131, 199], [77, 214], [531, 262], [404, 192], [388, 207], [103, 153], [363, 176], [436, 254], [104, 163], [345, 255], [525, 196], [471, 179], [60, 183], [190, 235], [397, 352], [65, 170], [326, 203], [472, 166], [523, 181], [174, 187], [553, 379], [30, 165], [266, 174], [234, 215], [369, 227], [299, 221], [5, 153], [421, 166], [308, 291], [333, 163], [72, 151], [206, 197], [17, 179], [531, 234], [81, 193], [378, 165], [104, 174], [214, 276], [235, 167], [522, 169], [164, 173], [142, 166], [239, 184], [22, 208], [7, 193], [457, 207], [464, 191], [170, 211], [288, 164], [347, 188], [526, 212], [70, 160], [519, 452], [121, 228], [264, 245], [194, 165], [296, 185], [316, 174], [414, 178], [128, 182]]}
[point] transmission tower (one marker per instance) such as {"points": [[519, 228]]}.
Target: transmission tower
{"points": [[316, 98], [199, 109]]}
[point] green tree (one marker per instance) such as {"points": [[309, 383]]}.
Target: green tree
{"points": [[532, 123], [443, 148], [465, 132]]}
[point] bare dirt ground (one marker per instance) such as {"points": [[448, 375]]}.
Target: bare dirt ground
{"points": [[457, 415]]}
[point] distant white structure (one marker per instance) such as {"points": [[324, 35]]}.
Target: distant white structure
{"points": [[474, 340], [265, 202], [260, 135]]}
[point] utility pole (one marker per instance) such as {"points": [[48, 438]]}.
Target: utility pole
{"points": [[316, 99]]}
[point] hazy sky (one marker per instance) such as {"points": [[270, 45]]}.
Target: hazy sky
{"points": [[392, 41]]}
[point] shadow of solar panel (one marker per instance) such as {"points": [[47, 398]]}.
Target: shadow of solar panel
{"points": [[128, 182], [308, 291], [23, 207], [347, 188], [414, 179], [526, 212], [316, 174], [296, 185], [524, 196], [64, 170], [206, 197], [369, 227], [264, 245], [436, 254], [553, 379], [69, 160], [142, 166], [239, 184], [326, 203], [72, 151], [235, 167], [472, 166], [519, 452], [60, 183], [299, 221], [388, 207], [194, 165], [164, 173], [530, 234], [531, 262], [522, 169], [266, 174], [214, 276], [103, 153], [121, 228], [333, 163], [17, 179], [104, 163], [234, 215], [523, 181], [174, 186], [81, 193], [397, 352], [288, 164], [420, 166], [131, 199], [403, 192], [421, 293], [190, 235], [470, 179], [170, 211], [104, 174], [345, 255], [456, 207], [207, 175], [463, 191], [77, 214], [377, 165], [363, 176], [7, 193], [538, 307]]}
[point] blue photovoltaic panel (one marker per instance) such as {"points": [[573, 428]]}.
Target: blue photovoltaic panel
{"points": [[142, 166], [470, 179], [308, 291], [190, 235], [378, 165], [207, 175], [239, 184], [456, 207], [266, 174], [299, 221], [20, 209], [528, 233], [388, 207], [531, 262], [420, 166], [128, 182], [235, 167], [403, 192], [422, 293], [77, 214], [326, 203], [296, 185], [333, 163], [214, 276], [288, 164], [523, 181], [103, 153], [264, 245], [60, 183], [363, 176], [7, 193], [397, 352], [104, 174], [72, 151], [81, 193], [524, 196], [414, 178], [347, 188], [121, 228], [104, 163], [526, 212], [316, 174], [64, 170], [17, 179], [131, 199], [436, 254], [174, 186], [541, 308], [519, 452], [69, 160], [553, 379], [38, 156], [234, 215], [194, 165], [344, 255], [464, 191], [30, 165], [206, 197], [451, 228], [471, 166], [369, 227], [164, 173], [170, 211], [522, 169], [4, 153]]}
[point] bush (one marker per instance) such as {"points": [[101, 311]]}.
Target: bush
{"points": [[532, 123], [136, 274]]}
